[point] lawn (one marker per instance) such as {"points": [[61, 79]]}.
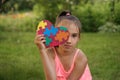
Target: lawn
{"points": [[103, 52], [20, 59]]}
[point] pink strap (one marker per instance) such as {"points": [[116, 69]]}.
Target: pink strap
{"points": [[72, 66]]}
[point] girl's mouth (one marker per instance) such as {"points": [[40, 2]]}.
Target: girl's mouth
{"points": [[67, 46]]}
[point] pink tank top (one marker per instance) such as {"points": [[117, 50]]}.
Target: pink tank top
{"points": [[62, 74]]}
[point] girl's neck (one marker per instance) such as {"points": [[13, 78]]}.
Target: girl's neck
{"points": [[64, 53]]}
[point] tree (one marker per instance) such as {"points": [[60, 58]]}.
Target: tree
{"points": [[112, 9], [15, 5], [49, 9]]}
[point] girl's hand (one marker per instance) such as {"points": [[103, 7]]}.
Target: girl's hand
{"points": [[39, 41]]}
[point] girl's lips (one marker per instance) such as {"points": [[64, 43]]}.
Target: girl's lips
{"points": [[67, 46]]}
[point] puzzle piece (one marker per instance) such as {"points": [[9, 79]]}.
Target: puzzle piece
{"points": [[40, 31], [55, 43], [48, 41], [63, 28], [42, 25], [61, 35], [52, 31], [49, 24]]}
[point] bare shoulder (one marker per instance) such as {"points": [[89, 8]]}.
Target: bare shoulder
{"points": [[79, 65], [81, 57]]}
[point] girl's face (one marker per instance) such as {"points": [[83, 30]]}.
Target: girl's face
{"points": [[73, 37]]}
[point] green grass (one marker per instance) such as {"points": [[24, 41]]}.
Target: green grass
{"points": [[20, 59], [103, 53]]}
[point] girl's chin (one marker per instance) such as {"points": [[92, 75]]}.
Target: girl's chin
{"points": [[67, 48]]}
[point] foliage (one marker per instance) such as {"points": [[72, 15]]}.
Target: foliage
{"points": [[51, 10], [109, 27], [10, 6], [92, 16], [117, 13]]}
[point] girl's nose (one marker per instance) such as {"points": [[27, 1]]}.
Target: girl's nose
{"points": [[69, 40]]}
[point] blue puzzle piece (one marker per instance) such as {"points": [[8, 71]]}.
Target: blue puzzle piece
{"points": [[52, 31], [47, 32]]}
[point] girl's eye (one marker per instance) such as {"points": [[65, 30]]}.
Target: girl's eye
{"points": [[74, 35]]}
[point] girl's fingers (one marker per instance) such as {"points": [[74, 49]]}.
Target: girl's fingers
{"points": [[40, 40], [40, 37], [43, 41]]}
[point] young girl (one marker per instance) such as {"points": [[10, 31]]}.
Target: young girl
{"points": [[64, 62]]}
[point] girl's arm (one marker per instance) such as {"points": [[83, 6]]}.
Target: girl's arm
{"points": [[48, 64], [80, 65], [47, 60]]}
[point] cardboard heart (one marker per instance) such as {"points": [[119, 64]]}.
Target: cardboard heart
{"points": [[54, 35]]}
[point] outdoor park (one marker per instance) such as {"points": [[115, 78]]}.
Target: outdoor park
{"points": [[100, 37]]}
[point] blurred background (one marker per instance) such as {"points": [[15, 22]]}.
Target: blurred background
{"points": [[100, 37]]}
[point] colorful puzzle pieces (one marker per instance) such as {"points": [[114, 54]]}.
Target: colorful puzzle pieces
{"points": [[54, 35]]}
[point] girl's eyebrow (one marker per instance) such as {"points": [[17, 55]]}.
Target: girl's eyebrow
{"points": [[75, 33]]}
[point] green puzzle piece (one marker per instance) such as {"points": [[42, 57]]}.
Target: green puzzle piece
{"points": [[63, 28], [48, 41]]}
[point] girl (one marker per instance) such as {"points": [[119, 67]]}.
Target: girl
{"points": [[64, 62]]}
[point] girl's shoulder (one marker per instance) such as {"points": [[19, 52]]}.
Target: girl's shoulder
{"points": [[81, 57]]}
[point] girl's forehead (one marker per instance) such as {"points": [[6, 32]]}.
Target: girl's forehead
{"points": [[65, 23], [70, 25]]}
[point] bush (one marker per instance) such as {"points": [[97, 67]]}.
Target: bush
{"points": [[117, 13], [109, 27], [49, 11], [92, 16]]}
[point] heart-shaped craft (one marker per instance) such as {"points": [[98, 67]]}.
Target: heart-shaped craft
{"points": [[54, 35]]}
